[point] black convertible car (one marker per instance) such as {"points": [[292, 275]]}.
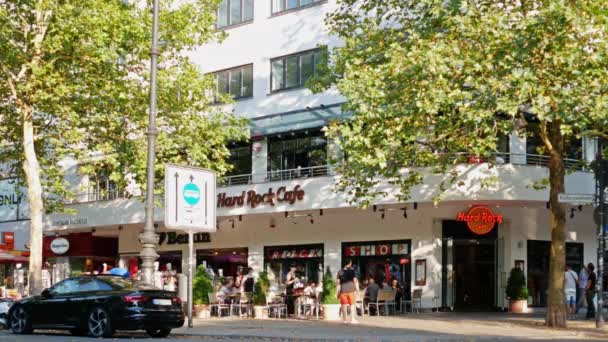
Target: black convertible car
{"points": [[97, 306]]}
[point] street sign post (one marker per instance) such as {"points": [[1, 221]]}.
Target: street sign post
{"points": [[190, 203], [576, 198]]}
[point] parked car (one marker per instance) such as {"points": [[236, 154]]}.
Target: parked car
{"points": [[98, 306]]}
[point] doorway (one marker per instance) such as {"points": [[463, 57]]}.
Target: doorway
{"points": [[469, 268]]}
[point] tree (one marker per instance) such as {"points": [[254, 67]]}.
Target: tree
{"points": [[427, 79], [74, 86]]}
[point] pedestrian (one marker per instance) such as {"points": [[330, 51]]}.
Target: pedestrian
{"points": [[582, 285], [590, 291], [348, 286], [570, 285]]}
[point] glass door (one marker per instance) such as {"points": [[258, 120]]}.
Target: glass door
{"points": [[447, 283]]}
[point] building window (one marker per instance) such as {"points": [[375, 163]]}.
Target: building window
{"points": [[296, 155], [236, 82], [294, 70], [279, 6], [234, 12], [573, 146], [240, 159], [102, 188]]}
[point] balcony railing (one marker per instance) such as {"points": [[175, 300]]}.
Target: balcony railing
{"points": [[326, 170]]}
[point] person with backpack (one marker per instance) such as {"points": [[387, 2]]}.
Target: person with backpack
{"points": [[348, 286]]}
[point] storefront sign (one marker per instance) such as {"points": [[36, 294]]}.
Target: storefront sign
{"points": [[381, 249], [480, 220], [253, 199], [60, 246], [13, 200], [172, 238], [295, 253], [8, 241], [70, 221]]}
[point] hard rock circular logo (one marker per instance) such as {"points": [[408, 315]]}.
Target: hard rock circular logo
{"points": [[480, 220], [192, 194]]}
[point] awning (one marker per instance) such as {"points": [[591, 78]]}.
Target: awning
{"points": [[9, 258], [309, 117]]}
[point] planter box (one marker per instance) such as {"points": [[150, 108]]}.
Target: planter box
{"points": [[260, 312], [331, 312], [201, 311], [518, 306]]}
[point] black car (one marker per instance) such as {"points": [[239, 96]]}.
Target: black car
{"points": [[97, 306]]}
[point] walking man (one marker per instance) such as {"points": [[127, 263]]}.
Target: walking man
{"points": [[570, 285], [582, 285], [590, 291], [348, 287]]}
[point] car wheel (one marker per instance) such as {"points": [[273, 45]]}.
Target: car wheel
{"points": [[20, 321], [158, 332], [98, 323]]}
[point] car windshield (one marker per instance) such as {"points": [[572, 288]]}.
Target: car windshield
{"points": [[120, 283]]}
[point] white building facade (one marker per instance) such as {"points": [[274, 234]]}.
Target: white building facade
{"points": [[280, 208]]}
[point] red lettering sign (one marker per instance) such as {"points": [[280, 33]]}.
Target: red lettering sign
{"points": [[304, 253], [480, 220]]}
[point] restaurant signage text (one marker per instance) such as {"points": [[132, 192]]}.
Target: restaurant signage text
{"points": [[252, 198], [172, 238], [293, 253], [480, 220], [60, 245], [380, 249]]}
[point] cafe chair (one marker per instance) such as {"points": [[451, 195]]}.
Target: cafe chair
{"points": [[219, 307], [415, 302], [360, 303], [276, 306], [308, 306], [385, 299], [242, 301]]}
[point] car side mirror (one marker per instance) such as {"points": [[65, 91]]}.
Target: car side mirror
{"points": [[46, 293]]}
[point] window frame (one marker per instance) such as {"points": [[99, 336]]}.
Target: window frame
{"points": [[229, 70], [284, 58], [299, 7], [229, 24]]}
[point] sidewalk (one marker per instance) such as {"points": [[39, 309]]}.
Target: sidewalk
{"points": [[425, 327]]}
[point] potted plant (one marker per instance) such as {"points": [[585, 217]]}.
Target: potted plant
{"points": [[201, 286], [517, 291], [260, 289], [331, 305]]}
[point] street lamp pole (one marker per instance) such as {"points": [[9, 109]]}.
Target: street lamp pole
{"points": [[149, 238], [602, 213]]}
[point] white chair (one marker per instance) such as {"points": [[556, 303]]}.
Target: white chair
{"points": [[276, 305], [360, 302], [215, 303], [242, 301]]}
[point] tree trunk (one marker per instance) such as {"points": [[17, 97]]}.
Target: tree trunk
{"points": [[31, 167], [556, 309]]}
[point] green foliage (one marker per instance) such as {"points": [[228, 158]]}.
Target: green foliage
{"points": [[429, 79], [330, 294], [260, 289], [201, 286], [79, 70], [516, 285]]}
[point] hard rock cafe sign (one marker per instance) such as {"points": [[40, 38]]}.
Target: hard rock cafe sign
{"points": [[253, 199], [480, 220]]}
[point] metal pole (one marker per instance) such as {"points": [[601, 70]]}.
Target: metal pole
{"points": [[149, 238], [190, 275], [601, 182]]}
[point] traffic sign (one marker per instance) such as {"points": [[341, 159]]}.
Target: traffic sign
{"points": [[190, 198], [576, 198]]}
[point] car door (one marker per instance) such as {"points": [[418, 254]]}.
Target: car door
{"points": [[52, 306], [89, 292]]}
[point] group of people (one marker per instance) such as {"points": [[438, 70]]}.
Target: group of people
{"points": [[348, 287], [229, 287], [580, 289]]}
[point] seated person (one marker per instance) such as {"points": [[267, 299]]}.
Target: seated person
{"points": [[371, 292], [225, 291], [399, 295]]}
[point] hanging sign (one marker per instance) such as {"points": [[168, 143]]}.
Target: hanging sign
{"points": [[480, 220], [60, 246], [378, 249]]}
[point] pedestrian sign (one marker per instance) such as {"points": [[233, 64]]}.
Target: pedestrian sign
{"points": [[189, 198]]}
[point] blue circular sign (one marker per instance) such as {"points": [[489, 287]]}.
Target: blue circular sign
{"points": [[191, 193]]}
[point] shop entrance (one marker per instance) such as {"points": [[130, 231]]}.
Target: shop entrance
{"points": [[469, 268]]}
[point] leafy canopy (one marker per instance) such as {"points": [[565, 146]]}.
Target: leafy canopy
{"points": [[429, 78], [82, 68]]}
